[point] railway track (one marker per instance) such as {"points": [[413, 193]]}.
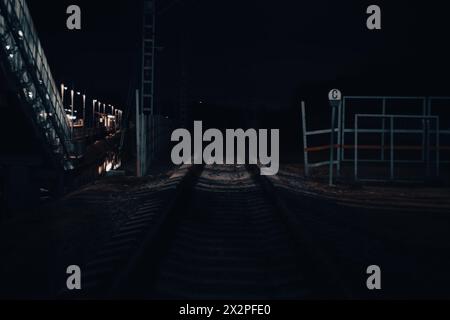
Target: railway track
{"points": [[223, 233]]}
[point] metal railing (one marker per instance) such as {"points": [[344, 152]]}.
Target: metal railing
{"points": [[426, 106], [427, 112], [307, 149], [24, 58], [392, 147]]}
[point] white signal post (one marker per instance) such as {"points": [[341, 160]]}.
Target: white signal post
{"points": [[335, 98]]}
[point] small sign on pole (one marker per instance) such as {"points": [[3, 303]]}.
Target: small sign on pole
{"points": [[335, 98]]}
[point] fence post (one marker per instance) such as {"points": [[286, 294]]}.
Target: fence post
{"points": [[335, 98], [438, 146], [138, 138], [344, 102], [392, 149], [339, 142], [383, 135], [305, 140], [356, 147], [428, 148], [333, 120], [424, 113]]}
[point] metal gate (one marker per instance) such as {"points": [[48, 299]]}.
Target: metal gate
{"points": [[351, 130]]}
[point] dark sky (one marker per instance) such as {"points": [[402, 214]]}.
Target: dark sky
{"points": [[248, 51]]}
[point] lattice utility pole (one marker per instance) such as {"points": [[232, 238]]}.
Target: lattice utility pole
{"points": [[148, 57], [147, 131]]}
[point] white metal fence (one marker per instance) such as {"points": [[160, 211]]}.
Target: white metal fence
{"points": [[434, 138]]}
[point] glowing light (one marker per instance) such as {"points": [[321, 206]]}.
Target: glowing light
{"points": [[108, 166], [20, 33], [118, 165]]}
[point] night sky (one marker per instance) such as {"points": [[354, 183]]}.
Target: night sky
{"points": [[238, 53]]}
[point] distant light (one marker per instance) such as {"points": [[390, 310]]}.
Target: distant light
{"points": [[11, 56], [111, 117], [108, 166], [65, 88], [118, 165], [78, 93], [8, 47], [20, 33], [30, 94]]}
